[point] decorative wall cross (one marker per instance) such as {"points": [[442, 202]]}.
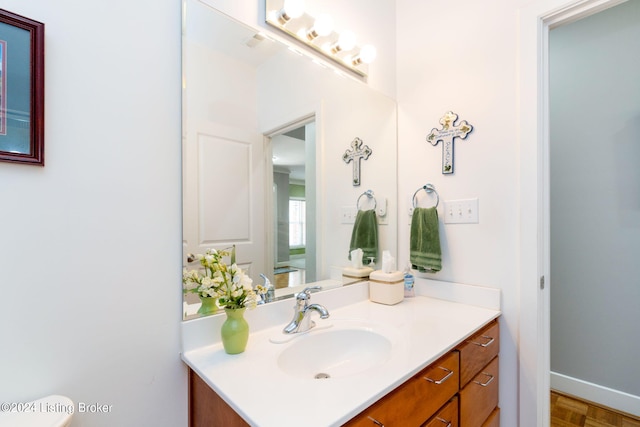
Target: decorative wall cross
{"points": [[357, 153], [446, 135]]}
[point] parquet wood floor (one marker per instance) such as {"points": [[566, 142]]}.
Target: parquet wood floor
{"points": [[568, 411]]}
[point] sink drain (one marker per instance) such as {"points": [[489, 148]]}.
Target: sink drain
{"points": [[322, 376]]}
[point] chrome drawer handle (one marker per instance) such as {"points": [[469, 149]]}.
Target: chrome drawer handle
{"points": [[440, 381], [491, 377], [487, 344], [376, 422], [448, 423]]}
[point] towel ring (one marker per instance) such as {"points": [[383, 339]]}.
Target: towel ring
{"points": [[369, 194], [429, 188]]}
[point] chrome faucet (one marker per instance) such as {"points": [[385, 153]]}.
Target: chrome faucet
{"points": [[270, 296], [301, 321]]}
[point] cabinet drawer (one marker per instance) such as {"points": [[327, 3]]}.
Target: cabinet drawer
{"points": [[416, 400], [479, 397], [477, 351], [493, 420], [446, 417]]}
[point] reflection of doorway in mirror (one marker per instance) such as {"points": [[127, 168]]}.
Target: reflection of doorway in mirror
{"points": [[293, 205]]}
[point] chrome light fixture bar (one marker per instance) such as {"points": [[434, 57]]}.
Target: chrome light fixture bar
{"points": [[317, 33]]}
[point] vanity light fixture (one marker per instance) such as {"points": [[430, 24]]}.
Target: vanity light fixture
{"points": [[317, 33]]}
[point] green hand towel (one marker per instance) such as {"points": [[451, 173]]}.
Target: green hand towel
{"points": [[365, 235], [424, 249]]}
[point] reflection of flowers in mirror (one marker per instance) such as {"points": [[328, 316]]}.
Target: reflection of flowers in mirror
{"points": [[216, 279]]}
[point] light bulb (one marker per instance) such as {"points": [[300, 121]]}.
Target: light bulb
{"points": [[273, 15], [293, 8], [290, 10], [323, 25], [368, 53], [346, 42]]}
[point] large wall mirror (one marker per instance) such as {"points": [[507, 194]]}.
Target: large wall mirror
{"points": [[264, 133]]}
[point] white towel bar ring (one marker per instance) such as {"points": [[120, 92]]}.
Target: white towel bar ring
{"points": [[429, 188], [369, 194]]}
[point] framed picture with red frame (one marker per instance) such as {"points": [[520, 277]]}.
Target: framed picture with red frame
{"points": [[21, 89]]}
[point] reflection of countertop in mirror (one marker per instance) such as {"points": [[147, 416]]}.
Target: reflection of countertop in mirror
{"points": [[424, 328], [292, 290], [191, 303]]}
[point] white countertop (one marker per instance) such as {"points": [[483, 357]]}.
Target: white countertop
{"points": [[424, 329]]}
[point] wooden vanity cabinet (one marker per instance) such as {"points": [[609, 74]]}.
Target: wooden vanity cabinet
{"points": [[479, 378], [207, 409], [417, 400], [458, 390]]}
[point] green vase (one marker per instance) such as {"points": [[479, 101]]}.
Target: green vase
{"points": [[235, 331], [208, 306]]}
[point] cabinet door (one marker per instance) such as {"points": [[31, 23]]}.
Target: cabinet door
{"points": [[446, 417], [207, 409], [477, 351], [417, 400], [493, 420], [479, 398]]}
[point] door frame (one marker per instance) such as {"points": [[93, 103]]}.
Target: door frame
{"points": [[536, 20]]}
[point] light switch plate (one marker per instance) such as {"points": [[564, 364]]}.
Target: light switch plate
{"points": [[461, 211], [348, 214]]}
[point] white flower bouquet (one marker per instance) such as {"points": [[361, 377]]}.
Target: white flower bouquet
{"points": [[215, 279]]}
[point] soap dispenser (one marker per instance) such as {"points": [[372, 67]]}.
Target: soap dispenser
{"points": [[409, 290]]}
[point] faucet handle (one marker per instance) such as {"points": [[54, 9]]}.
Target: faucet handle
{"points": [[306, 293]]}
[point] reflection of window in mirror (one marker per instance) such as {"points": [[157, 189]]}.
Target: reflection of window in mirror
{"points": [[297, 224], [297, 235]]}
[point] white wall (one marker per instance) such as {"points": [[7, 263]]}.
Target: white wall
{"points": [[90, 256], [463, 58], [595, 199]]}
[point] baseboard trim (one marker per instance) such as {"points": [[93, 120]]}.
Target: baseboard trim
{"points": [[605, 396]]}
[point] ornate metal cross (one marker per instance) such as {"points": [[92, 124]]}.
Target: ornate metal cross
{"points": [[446, 135], [357, 153]]}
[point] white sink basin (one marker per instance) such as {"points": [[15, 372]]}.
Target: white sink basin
{"points": [[335, 352]]}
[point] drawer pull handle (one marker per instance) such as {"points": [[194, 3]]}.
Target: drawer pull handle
{"points": [[440, 381], [491, 377], [376, 422], [448, 423], [487, 344]]}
